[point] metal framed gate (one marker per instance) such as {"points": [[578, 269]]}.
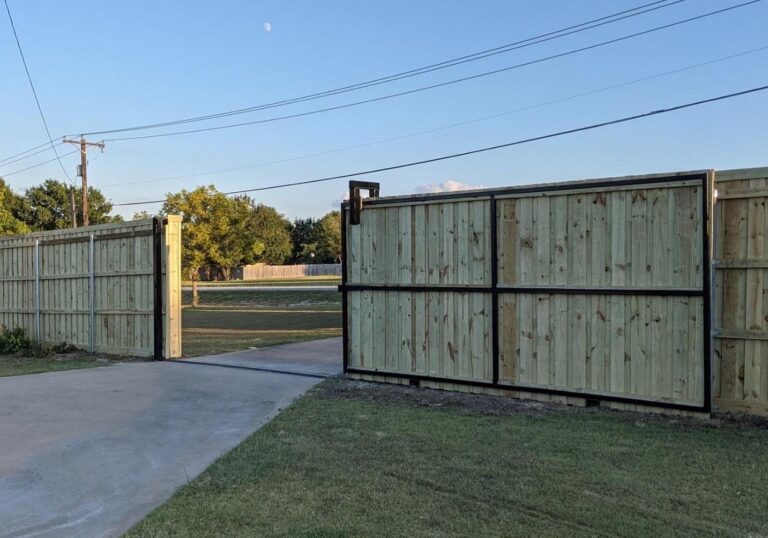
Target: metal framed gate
{"points": [[598, 289]]}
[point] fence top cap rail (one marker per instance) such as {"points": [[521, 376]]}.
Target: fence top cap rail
{"points": [[84, 231], [597, 183], [738, 174]]}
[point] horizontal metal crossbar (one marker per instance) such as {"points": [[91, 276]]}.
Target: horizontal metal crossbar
{"points": [[641, 183], [551, 290]]}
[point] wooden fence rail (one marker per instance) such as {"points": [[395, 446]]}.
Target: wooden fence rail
{"points": [[95, 287]]}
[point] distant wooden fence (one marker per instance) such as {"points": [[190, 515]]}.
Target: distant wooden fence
{"points": [[255, 272], [596, 290], [741, 314], [97, 287]]}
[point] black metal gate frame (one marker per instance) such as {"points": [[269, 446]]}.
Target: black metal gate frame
{"points": [[356, 204], [158, 224]]}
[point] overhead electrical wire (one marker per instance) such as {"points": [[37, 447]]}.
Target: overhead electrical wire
{"points": [[34, 92], [440, 84], [592, 126], [413, 72], [425, 69], [46, 145], [449, 126], [41, 164], [535, 40], [38, 152]]}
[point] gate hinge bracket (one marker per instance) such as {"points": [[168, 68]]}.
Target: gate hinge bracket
{"points": [[356, 200]]}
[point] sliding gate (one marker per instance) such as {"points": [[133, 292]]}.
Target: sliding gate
{"points": [[594, 289]]}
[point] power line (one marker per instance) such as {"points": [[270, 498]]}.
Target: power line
{"points": [[34, 92], [556, 34], [452, 125], [421, 70], [38, 152], [45, 145], [438, 85], [57, 158], [484, 149]]}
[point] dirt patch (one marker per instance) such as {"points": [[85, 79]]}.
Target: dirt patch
{"points": [[480, 404], [471, 404]]}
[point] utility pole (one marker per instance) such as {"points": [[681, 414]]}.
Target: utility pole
{"points": [[72, 205], [83, 143]]}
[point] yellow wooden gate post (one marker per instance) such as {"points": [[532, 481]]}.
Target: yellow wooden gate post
{"points": [[172, 287]]}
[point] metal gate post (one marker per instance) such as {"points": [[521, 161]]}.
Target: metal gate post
{"points": [[343, 289], [37, 290], [91, 301], [157, 271], [494, 290]]}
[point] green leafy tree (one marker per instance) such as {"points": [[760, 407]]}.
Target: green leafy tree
{"points": [[215, 235], [48, 206], [273, 231], [302, 235], [141, 215], [242, 245], [321, 237], [10, 204], [328, 238]]}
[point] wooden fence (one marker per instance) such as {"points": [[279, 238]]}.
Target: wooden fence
{"points": [[255, 272], [741, 313], [582, 291], [97, 287]]}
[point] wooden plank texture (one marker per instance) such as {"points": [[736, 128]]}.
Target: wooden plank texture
{"points": [[123, 286], [741, 296], [617, 342]]}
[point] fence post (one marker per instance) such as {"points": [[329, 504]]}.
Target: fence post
{"points": [[172, 287], [157, 269], [494, 290], [91, 292], [37, 290]]}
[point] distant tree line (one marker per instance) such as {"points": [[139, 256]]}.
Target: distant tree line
{"points": [[220, 233], [48, 207]]}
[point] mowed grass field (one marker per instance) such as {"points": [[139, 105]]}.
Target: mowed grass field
{"points": [[303, 281], [18, 365], [355, 459], [236, 320]]}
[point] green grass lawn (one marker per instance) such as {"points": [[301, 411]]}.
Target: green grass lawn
{"points": [[303, 281], [17, 365], [355, 459], [235, 320]]}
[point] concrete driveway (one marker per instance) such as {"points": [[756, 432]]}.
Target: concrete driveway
{"points": [[91, 452]]}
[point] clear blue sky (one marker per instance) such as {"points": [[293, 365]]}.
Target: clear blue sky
{"points": [[101, 64]]}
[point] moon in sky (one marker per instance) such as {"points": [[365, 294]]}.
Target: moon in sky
{"points": [[268, 26]]}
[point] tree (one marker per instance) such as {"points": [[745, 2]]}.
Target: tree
{"points": [[273, 231], [215, 232], [10, 203], [48, 206], [141, 215], [321, 237], [302, 235], [328, 238]]}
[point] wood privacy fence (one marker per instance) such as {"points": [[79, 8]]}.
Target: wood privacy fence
{"points": [[254, 272], [596, 290], [114, 288], [741, 313]]}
